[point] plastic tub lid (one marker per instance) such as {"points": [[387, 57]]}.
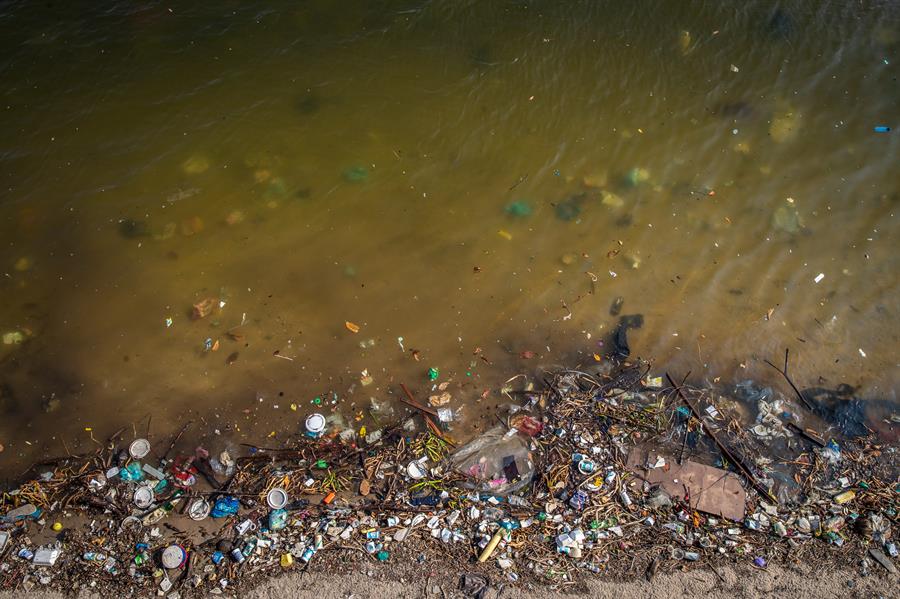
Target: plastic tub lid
{"points": [[315, 423], [139, 448], [173, 557], [277, 498], [143, 497], [199, 510]]}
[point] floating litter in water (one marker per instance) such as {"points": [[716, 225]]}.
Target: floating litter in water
{"points": [[862, 353], [819, 277]]}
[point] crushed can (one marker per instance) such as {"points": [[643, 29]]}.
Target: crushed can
{"points": [[578, 500]]}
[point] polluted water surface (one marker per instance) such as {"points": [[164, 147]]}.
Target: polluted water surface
{"points": [[241, 216]]}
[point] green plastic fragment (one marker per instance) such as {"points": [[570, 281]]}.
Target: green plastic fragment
{"points": [[356, 174], [433, 374], [519, 209]]}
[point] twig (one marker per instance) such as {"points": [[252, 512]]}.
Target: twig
{"points": [[176, 438], [784, 373], [734, 458]]}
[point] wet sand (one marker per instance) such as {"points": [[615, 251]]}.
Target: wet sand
{"points": [[806, 581]]}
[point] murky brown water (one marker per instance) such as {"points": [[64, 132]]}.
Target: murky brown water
{"points": [[705, 163]]}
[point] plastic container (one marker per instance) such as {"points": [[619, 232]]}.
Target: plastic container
{"points": [[277, 519]]}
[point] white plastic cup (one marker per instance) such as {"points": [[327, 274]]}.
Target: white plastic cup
{"points": [[315, 424], [277, 498], [139, 448]]}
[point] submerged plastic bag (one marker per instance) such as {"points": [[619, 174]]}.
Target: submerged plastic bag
{"points": [[497, 462]]}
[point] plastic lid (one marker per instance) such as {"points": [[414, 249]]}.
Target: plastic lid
{"points": [[199, 509], [139, 448], [143, 497], [173, 557], [315, 423], [277, 498]]}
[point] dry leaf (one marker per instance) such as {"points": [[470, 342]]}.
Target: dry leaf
{"points": [[353, 328], [364, 487], [440, 400]]}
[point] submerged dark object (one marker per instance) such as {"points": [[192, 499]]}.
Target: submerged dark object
{"points": [[734, 110], [308, 103], [132, 229], [570, 208], [780, 24], [616, 308], [620, 337], [839, 407]]}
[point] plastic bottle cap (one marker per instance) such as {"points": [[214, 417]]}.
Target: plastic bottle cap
{"points": [[315, 423], [139, 448], [143, 497], [277, 498], [173, 557]]}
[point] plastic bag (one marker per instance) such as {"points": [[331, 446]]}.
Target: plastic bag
{"points": [[496, 462], [225, 506]]}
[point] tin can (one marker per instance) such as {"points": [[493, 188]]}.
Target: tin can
{"points": [[237, 556], [307, 555], [578, 500]]}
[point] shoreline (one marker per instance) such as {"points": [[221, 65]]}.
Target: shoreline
{"points": [[801, 581], [582, 478]]}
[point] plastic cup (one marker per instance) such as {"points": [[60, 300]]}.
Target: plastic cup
{"points": [[277, 498], [315, 424], [139, 448]]}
